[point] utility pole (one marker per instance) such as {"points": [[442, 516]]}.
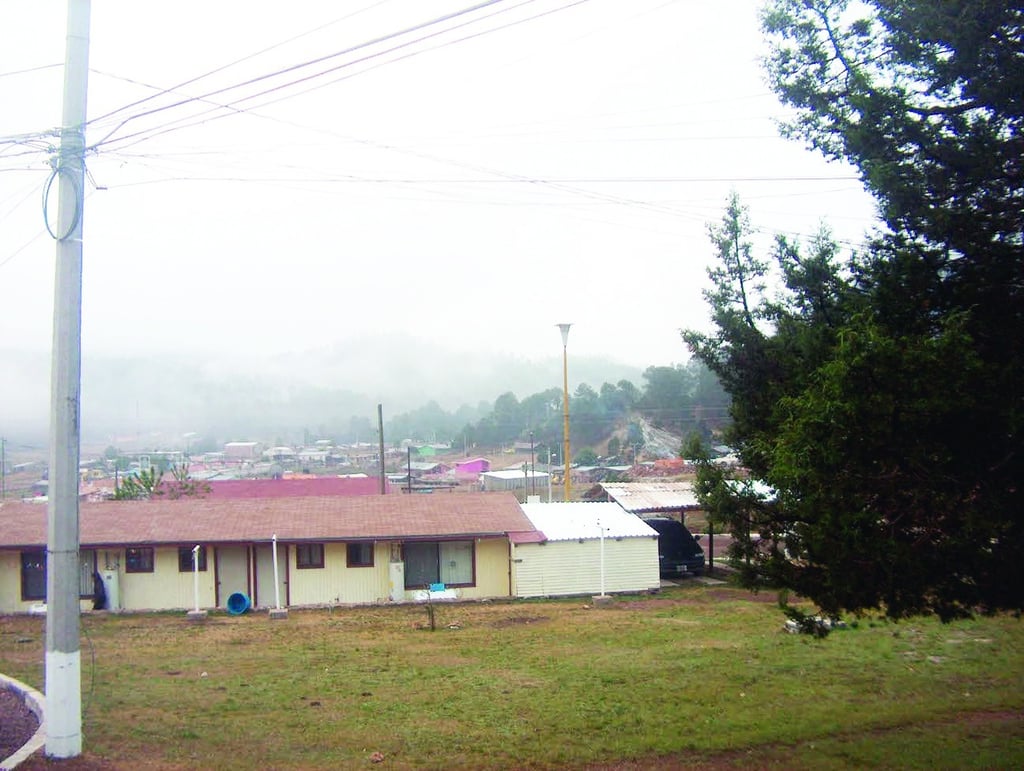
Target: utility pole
{"points": [[3, 468], [380, 436], [567, 483], [63, 645], [533, 468]]}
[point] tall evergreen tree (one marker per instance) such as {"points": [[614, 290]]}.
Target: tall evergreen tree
{"points": [[881, 398]]}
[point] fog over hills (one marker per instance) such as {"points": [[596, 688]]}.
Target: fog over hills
{"points": [[157, 399]]}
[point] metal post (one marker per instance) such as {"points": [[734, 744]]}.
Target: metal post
{"points": [[565, 407], [550, 466], [195, 576], [711, 549], [277, 580], [602, 556], [63, 645], [533, 468]]}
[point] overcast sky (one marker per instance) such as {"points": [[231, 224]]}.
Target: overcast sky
{"points": [[473, 181]]}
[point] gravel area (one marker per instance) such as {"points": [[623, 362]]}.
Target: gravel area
{"points": [[17, 723]]}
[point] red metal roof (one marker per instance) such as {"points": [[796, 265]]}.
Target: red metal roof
{"points": [[295, 486], [320, 518]]}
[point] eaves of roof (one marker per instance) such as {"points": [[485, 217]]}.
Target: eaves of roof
{"points": [[258, 520]]}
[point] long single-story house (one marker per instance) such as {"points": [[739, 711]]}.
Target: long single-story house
{"points": [[583, 548], [330, 550]]}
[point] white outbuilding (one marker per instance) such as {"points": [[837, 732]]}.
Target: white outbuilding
{"points": [[514, 479], [583, 549]]}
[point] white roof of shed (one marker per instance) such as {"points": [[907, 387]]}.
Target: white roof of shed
{"points": [[650, 497], [513, 473], [581, 519]]}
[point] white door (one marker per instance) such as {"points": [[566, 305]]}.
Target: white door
{"points": [[232, 572], [264, 590]]}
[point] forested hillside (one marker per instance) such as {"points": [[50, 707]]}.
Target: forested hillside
{"points": [[684, 399]]}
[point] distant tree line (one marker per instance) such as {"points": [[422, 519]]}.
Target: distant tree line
{"points": [[682, 398]]}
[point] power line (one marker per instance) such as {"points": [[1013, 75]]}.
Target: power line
{"points": [[222, 68], [31, 69], [294, 68], [233, 107]]}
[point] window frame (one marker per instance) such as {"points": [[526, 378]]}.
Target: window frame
{"points": [[36, 555], [309, 556], [438, 551], [185, 559], [358, 562], [139, 559], [86, 573], [87, 579]]}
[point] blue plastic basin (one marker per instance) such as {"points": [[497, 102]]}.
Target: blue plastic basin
{"points": [[238, 603]]}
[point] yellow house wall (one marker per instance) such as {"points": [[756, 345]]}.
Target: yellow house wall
{"points": [[336, 583], [10, 586], [168, 589], [491, 570], [165, 588]]}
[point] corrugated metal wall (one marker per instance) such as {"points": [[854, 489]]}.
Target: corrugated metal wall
{"points": [[560, 568]]}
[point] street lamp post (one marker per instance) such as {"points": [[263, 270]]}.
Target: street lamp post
{"points": [[533, 469], [565, 407]]}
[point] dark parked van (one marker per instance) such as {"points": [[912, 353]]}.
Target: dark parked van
{"points": [[678, 550]]}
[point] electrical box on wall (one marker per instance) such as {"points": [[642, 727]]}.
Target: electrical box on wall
{"points": [[112, 586]]}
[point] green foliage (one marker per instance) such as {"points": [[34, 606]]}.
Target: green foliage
{"points": [[586, 457], [673, 396], [148, 483], [138, 486], [693, 448], [183, 486], [880, 396], [635, 435]]}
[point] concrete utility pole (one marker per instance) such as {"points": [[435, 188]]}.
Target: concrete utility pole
{"points": [[380, 437], [567, 484], [63, 646]]}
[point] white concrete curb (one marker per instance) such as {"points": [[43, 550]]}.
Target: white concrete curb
{"points": [[36, 702]]}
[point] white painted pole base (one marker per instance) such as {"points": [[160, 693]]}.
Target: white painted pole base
{"points": [[63, 704]]}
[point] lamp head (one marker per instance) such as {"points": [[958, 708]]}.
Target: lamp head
{"points": [[565, 333]]}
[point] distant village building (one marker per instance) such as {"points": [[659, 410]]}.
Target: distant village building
{"points": [[471, 468], [242, 450], [514, 479]]}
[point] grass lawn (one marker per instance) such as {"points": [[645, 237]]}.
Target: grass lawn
{"points": [[695, 676]]}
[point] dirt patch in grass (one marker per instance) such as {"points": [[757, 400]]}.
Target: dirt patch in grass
{"points": [[697, 598], [518, 621]]}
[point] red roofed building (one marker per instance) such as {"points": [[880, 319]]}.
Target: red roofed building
{"points": [[291, 487], [331, 549]]}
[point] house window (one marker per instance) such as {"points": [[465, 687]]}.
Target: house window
{"points": [[138, 560], [360, 555], [87, 572], [185, 558], [432, 562], [309, 555], [33, 574]]}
